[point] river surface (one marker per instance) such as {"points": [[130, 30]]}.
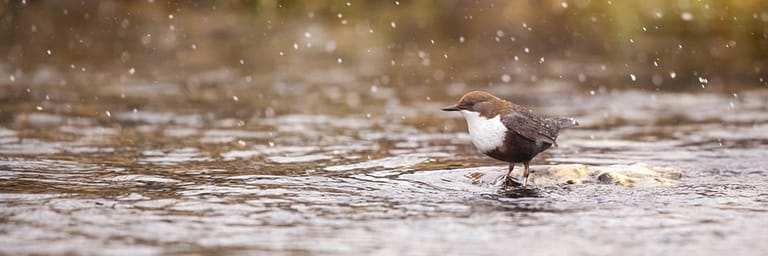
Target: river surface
{"points": [[347, 169]]}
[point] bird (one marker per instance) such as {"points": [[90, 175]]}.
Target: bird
{"points": [[506, 131]]}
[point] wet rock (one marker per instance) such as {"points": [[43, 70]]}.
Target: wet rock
{"points": [[485, 178], [573, 173], [613, 178], [639, 174]]}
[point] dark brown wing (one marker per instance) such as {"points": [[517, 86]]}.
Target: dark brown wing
{"points": [[533, 127]]}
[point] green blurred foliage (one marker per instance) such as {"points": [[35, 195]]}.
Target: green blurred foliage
{"points": [[724, 39]]}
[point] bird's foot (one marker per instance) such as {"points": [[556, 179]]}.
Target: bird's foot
{"points": [[509, 182], [501, 181]]}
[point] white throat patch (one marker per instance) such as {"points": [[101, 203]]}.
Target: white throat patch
{"points": [[486, 134]]}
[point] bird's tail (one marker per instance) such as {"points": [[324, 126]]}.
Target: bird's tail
{"points": [[565, 122]]}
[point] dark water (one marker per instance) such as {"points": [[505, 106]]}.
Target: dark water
{"points": [[353, 157]]}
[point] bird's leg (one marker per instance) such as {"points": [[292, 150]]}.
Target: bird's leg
{"points": [[525, 174], [506, 176], [511, 166]]}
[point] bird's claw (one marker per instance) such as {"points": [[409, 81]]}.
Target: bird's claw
{"points": [[509, 182]]}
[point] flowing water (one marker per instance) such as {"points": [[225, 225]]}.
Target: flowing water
{"points": [[383, 174], [180, 146]]}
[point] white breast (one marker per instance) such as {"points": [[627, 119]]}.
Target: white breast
{"points": [[486, 134]]}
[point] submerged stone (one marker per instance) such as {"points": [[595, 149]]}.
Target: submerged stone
{"points": [[639, 174]]}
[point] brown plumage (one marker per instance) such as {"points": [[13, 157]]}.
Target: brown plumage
{"points": [[521, 133]]}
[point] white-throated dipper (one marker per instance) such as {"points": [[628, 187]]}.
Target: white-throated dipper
{"points": [[506, 131]]}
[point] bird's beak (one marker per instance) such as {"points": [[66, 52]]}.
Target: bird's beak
{"points": [[451, 108]]}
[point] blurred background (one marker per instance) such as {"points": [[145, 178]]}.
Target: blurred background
{"points": [[211, 49]]}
